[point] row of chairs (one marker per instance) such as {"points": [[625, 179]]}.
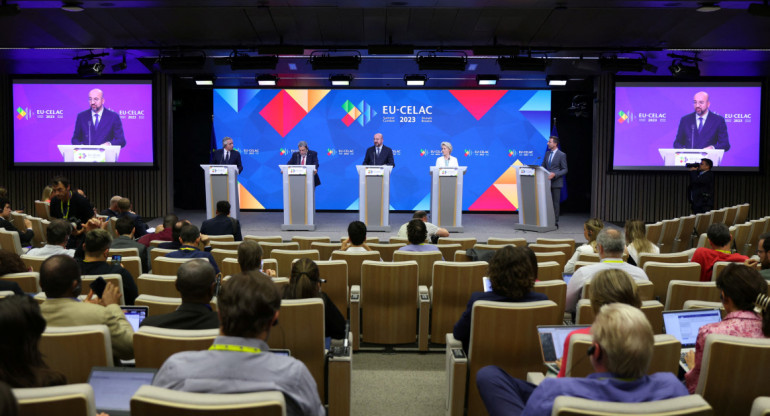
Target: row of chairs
{"points": [[676, 234]]}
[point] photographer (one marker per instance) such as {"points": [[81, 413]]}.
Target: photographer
{"points": [[701, 189], [70, 206]]}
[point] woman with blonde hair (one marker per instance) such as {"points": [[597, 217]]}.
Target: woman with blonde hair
{"points": [[591, 229], [446, 159], [637, 242]]}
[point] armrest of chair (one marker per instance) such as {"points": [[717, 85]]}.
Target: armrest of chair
{"points": [[423, 299], [355, 315], [456, 370], [461, 256], [535, 377], [340, 383]]}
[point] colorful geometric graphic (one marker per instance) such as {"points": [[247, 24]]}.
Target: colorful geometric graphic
{"points": [[423, 152], [330, 152], [362, 113], [623, 116], [283, 151], [478, 102], [537, 110], [502, 194], [247, 199], [21, 113], [467, 152], [289, 107]]}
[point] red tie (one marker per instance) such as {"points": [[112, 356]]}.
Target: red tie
{"points": [[303, 160]]}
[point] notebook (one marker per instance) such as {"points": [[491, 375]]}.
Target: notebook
{"points": [[135, 315], [114, 386], [684, 326], [552, 342]]}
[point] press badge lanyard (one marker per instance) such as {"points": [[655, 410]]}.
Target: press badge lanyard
{"points": [[61, 203], [613, 261], [235, 348]]}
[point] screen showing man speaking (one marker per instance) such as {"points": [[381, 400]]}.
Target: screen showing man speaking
{"points": [[82, 121]]}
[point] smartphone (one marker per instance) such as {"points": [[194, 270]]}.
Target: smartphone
{"points": [[98, 286], [116, 259]]}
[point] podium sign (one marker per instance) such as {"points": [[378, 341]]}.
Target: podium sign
{"points": [[374, 196], [222, 185], [298, 197], [446, 197], [89, 153], [535, 201], [681, 157]]}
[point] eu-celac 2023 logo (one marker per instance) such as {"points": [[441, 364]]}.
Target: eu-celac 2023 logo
{"points": [[624, 117], [361, 113], [22, 113]]}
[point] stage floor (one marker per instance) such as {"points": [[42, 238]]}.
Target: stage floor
{"points": [[335, 224]]}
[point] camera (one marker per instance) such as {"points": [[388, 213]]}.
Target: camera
{"points": [[76, 223], [692, 165]]}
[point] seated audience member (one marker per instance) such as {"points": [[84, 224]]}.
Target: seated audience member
{"points": [[124, 231], [124, 205], [46, 196], [11, 263], [21, 364], [25, 236], [162, 232], [305, 283], [240, 360], [113, 210], [71, 206], [57, 235], [222, 223], [416, 233], [176, 230], [608, 286], [622, 349], [610, 246], [512, 276], [196, 282], [95, 263], [747, 308], [719, 239], [60, 280], [637, 242], [3, 192], [190, 238], [591, 229], [434, 231], [356, 241], [250, 259], [763, 259]]}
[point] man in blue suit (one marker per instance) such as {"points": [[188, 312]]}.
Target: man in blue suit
{"points": [[379, 154], [702, 129], [98, 125], [222, 224], [227, 156], [306, 156], [555, 161]]}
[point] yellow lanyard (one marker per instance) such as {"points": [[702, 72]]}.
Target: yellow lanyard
{"points": [[235, 348], [61, 203], [725, 251]]}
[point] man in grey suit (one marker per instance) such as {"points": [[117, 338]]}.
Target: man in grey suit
{"points": [[555, 161]]}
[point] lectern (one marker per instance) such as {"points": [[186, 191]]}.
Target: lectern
{"points": [[681, 157], [446, 197], [222, 185], [535, 203], [298, 197], [374, 196], [89, 153]]}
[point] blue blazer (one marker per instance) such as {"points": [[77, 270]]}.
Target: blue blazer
{"points": [[310, 159], [222, 225], [235, 159], [713, 133], [558, 166], [110, 129], [385, 158]]}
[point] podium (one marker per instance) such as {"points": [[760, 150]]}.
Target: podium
{"points": [[89, 153], [535, 201], [222, 185], [374, 196], [681, 157], [298, 197], [446, 197]]}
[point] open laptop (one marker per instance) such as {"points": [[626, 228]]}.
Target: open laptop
{"points": [[135, 315], [552, 343], [114, 387], [684, 326]]}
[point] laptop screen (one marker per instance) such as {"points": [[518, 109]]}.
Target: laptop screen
{"points": [[114, 387], [552, 340], [135, 315], [684, 325]]}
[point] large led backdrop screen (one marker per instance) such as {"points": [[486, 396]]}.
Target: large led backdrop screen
{"points": [[490, 130]]}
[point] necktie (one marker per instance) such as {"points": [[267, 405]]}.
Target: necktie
{"points": [[550, 159], [96, 120], [303, 160], [700, 123], [227, 157], [378, 152]]}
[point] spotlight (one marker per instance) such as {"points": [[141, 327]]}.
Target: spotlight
{"points": [[482, 79], [429, 61], [326, 61], [556, 80], [9, 9], [204, 80], [708, 7], [522, 63], [121, 66], [72, 6], [340, 80], [679, 69], [190, 62], [238, 62], [615, 64], [267, 80], [757, 9], [90, 68], [415, 80]]}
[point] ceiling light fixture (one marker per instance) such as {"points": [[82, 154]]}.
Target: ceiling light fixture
{"points": [[90, 68], [72, 6], [327, 60], [556, 80], [416, 80], [267, 80], [522, 63], [489, 79], [431, 61], [239, 61], [341, 80], [204, 80], [708, 7]]}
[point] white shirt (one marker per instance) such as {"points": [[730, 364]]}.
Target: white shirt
{"points": [[443, 163], [586, 273], [569, 268]]}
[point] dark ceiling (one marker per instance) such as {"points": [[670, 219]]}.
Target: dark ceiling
{"points": [[572, 34]]}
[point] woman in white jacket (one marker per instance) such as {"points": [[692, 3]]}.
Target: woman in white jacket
{"points": [[591, 229]]}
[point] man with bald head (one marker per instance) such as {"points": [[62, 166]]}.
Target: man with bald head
{"points": [[98, 125], [379, 154], [702, 129], [610, 245]]}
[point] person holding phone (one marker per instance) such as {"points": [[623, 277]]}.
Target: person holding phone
{"points": [[96, 247]]}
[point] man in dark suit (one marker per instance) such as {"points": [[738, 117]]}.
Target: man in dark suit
{"points": [[98, 125], [124, 206], [379, 154], [196, 283], [227, 156], [222, 224], [124, 232], [702, 129], [25, 237], [306, 156], [555, 161], [701, 189]]}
